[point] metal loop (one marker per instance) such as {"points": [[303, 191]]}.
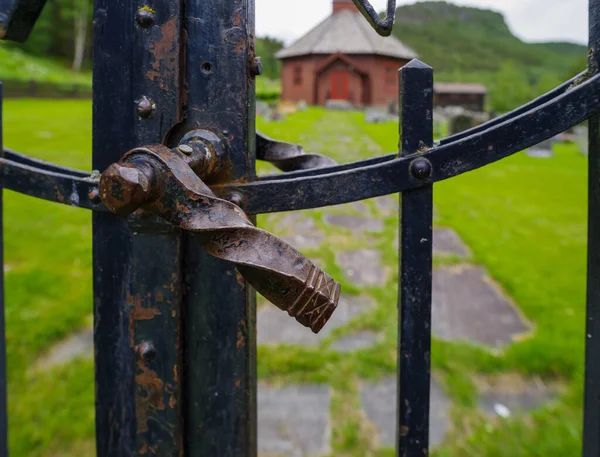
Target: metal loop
{"points": [[382, 26]]}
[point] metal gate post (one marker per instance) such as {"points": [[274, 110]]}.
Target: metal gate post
{"points": [[220, 350], [591, 428], [416, 218], [3, 371], [175, 338], [137, 262]]}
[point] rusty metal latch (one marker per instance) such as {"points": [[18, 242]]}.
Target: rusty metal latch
{"points": [[166, 182]]}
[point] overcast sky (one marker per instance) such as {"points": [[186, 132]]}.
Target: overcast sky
{"points": [[530, 20]]}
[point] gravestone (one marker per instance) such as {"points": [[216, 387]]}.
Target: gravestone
{"points": [[582, 139], [263, 109], [302, 105], [542, 150], [461, 122], [376, 115]]}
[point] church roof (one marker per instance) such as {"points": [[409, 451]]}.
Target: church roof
{"points": [[346, 32]]}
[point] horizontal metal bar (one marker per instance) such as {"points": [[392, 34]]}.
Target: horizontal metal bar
{"points": [[48, 185], [500, 141], [17, 157]]}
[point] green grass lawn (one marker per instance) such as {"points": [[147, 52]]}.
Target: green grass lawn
{"points": [[524, 220]]}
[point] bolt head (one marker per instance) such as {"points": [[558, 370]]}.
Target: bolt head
{"points": [[257, 66], [124, 188], [421, 168], [146, 351], [236, 199], [145, 107], [186, 149], [145, 17]]}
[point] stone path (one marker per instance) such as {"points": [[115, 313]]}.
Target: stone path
{"points": [[378, 400], [294, 420], [276, 327]]}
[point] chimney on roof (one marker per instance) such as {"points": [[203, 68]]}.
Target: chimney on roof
{"points": [[340, 5]]}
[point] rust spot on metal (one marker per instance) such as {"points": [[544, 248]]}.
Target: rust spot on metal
{"points": [[159, 296], [59, 196], [150, 395], [143, 449], [138, 313], [241, 340], [166, 55], [404, 430]]}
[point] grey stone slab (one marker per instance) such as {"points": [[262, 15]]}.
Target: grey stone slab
{"points": [[293, 421], [277, 327], [355, 342], [387, 205], [379, 403], [354, 222], [507, 396], [78, 345], [468, 306], [300, 231], [447, 242], [362, 267]]}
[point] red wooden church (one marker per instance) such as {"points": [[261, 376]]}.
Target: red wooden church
{"points": [[343, 58]]}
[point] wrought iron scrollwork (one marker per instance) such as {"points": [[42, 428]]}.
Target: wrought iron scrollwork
{"points": [[288, 156], [382, 26]]}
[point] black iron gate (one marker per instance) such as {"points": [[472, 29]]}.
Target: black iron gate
{"points": [[175, 317]]}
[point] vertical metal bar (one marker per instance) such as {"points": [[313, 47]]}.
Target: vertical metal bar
{"points": [[3, 367], [591, 426], [416, 218], [137, 262], [220, 354]]}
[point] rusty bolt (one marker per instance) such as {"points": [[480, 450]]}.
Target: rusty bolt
{"points": [[146, 351], [145, 17], [124, 188], [421, 168], [236, 199], [186, 149], [256, 67], [145, 107]]}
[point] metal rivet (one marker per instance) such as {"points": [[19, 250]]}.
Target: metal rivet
{"points": [[256, 68], [236, 199], [94, 196], [145, 17], [421, 168], [186, 149], [145, 107], [147, 351]]}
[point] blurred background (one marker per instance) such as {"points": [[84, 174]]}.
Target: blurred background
{"points": [[509, 243]]}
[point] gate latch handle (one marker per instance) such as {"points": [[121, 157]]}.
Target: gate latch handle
{"points": [[165, 182]]}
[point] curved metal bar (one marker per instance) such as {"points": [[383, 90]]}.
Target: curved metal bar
{"points": [[382, 26], [81, 192], [520, 110], [288, 156], [42, 165], [497, 142]]}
